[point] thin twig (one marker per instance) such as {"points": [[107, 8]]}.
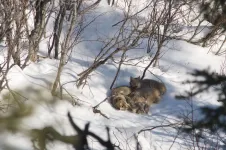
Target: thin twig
{"points": [[119, 68]]}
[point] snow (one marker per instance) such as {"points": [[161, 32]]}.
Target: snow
{"points": [[179, 59]]}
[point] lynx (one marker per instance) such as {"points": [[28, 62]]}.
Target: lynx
{"points": [[138, 104], [142, 108], [122, 90], [151, 95], [137, 83], [119, 102]]}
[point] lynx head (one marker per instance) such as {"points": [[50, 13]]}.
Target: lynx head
{"points": [[135, 82], [120, 103]]}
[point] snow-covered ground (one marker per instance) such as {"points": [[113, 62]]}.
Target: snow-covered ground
{"points": [[178, 60]]}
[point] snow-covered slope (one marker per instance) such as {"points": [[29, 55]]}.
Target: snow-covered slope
{"points": [[179, 58]]}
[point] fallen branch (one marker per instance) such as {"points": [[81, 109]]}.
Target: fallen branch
{"points": [[160, 126], [95, 110]]}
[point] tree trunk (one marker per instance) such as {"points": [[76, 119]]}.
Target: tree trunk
{"points": [[37, 32], [64, 50]]}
